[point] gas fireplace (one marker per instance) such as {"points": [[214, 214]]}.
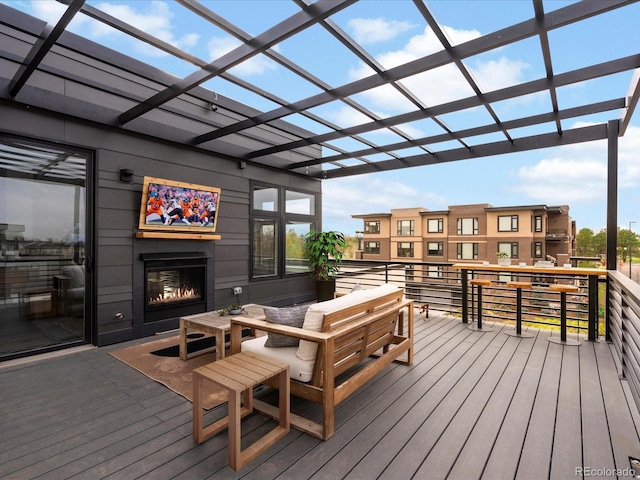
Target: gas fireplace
{"points": [[175, 285]]}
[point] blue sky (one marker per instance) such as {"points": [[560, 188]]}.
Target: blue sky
{"points": [[392, 31]]}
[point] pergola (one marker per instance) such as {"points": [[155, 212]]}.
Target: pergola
{"points": [[297, 132]]}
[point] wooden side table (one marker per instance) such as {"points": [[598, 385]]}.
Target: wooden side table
{"points": [[238, 374], [211, 323]]}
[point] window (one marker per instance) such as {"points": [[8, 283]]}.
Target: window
{"points": [[280, 220], [508, 223], [265, 248], [467, 251], [295, 258], [265, 198], [405, 227], [409, 274], [435, 248], [435, 225], [299, 202], [537, 249], [434, 271], [467, 226], [372, 227], [405, 249], [372, 248], [510, 248], [537, 223]]}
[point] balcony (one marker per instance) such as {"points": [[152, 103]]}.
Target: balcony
{"points": [[473, 405], [559, 234]]}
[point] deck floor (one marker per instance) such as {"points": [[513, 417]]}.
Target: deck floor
{"points": [[472, 406]]}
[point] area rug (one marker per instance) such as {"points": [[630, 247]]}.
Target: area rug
{"points": [[170, 371]]}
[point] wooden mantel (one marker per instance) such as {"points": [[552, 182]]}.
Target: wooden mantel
{"points": [[178, 236]]}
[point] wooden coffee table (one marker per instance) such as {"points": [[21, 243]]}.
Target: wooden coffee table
{"points": [[212, 323]]}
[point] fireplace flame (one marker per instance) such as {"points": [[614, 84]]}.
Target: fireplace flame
{"points": [[174, 295]]}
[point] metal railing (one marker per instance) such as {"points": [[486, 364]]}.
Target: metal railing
{"points": [[439, 285], [623, 305]]}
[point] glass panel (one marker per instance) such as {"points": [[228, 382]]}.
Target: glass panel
{"points": [[42, 240], [265, 198], [302, 203], [265, 253], [296, 261]]}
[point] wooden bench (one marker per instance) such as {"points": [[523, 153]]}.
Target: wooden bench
{"points": [[371, 330]]}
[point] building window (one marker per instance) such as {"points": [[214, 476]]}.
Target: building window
{"points": [[537, 223], [372, 248], [405, 227], [372, 227], [435, 249], [280, 220], [467, 251], [435, 225], [405, 249], [409, 274], [508, 223], [510, 248], [467, 226], [537, 250], [434, 271]]}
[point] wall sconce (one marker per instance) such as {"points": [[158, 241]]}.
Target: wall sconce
{"points": [[126, 175], [242, 164]]}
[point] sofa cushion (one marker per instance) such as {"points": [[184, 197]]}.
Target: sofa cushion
{"points": [[290, 316], [315, 314], [300, 370]]}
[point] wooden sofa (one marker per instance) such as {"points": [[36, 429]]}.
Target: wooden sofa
{"points": [[360, 334]]}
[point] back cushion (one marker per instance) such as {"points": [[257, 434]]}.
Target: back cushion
{"points": [[315, 313]]}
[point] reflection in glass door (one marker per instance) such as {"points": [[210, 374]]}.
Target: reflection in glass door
{"points": [[43, 247]]}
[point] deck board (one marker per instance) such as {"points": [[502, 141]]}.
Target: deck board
{"points": [[473, 405]]}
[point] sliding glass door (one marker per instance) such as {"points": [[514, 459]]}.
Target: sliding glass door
{"points": [[43, 240]]}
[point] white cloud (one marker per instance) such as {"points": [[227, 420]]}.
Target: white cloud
{"points": [[442, 84], [577, 174], [373, 30], [343, 197], [219, 46]]}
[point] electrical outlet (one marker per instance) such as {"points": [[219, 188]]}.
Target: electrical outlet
{"points": [[237, 290]]}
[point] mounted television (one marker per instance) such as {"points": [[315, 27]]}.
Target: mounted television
{"points": [[177, 206]]}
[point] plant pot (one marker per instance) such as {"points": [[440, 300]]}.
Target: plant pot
{"points": [[504, 262], [325, 289], [235, 312]]}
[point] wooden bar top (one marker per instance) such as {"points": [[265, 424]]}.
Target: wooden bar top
{"points": [[531, 269]]}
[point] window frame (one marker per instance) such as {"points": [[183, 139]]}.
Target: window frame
{"points": [[439, 249], [375, 223], [511, 219], [439, 227], [283, 220], [512, 248], [459, 250], [410, 249], [401, 227], [460, 224], [367, 248]]}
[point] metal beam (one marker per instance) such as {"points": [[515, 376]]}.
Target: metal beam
{"points": [[535, 142], [552, 20], [41, 47], [285, 29]]}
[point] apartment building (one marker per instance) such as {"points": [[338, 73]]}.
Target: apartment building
{"points": [[475, 232]]}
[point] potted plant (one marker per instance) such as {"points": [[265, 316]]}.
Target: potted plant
{"points": [[233, 309], [504, 259], [324, 251]]}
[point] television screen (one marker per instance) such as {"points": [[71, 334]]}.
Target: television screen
{"points": [[178, 206]]}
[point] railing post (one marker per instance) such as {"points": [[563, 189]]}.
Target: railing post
{"points": [[465, 303], [593, 307]]}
